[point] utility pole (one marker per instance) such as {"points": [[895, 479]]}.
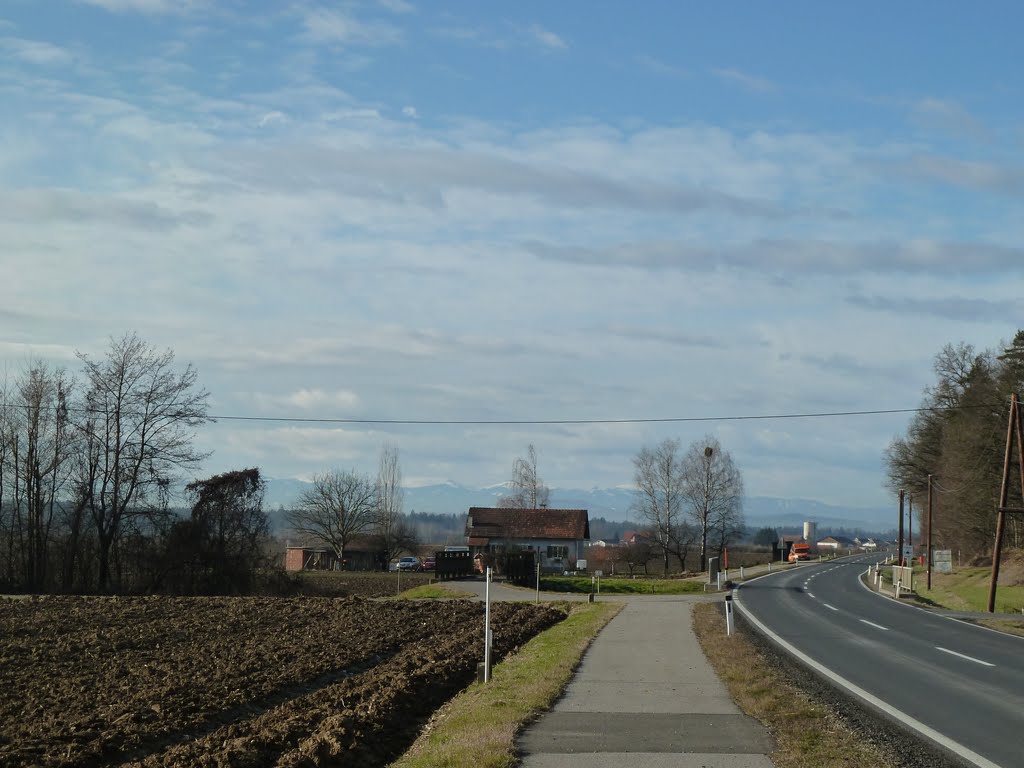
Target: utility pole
{"points": [[1016, 425], [929, 532], [899, 539], [910, 521]]}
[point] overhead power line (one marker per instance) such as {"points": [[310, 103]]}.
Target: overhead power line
{"points": [[556, 422]]}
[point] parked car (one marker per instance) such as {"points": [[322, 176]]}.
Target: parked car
{"points": [[408, 564], [427, 564]]}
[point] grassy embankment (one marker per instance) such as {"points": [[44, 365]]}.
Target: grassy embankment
{"points": [[966, 589], [477, 728], [808, 734]]}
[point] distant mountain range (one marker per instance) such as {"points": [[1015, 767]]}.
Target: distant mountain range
{"points": [[615, 504]]}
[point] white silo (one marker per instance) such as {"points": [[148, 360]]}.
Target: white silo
{"points": [[810, 532]]}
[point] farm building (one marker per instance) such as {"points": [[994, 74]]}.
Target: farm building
{"points": [[360, 555], [558, 537]]}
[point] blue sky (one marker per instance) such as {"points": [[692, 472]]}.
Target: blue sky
{"points": [[520, 211]]}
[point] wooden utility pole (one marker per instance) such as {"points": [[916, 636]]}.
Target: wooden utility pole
{"points": [[929, 532], [1016, 425], [910, 521], [899, 539]]}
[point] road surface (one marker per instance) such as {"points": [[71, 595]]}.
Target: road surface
{"points": [[960, 685]]}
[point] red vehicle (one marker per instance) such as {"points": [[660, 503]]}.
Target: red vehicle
{"points": [[427, 564], [800, 551]]}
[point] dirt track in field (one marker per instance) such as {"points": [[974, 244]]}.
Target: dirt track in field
{"points": [[165, 681]]}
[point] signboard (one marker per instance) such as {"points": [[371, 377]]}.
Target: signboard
{"points": [[942, 560], [599, 574], [908, 554], [904, 577], [581, 565]]}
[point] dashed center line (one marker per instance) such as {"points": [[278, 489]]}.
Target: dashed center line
{"points": [[876, 626], [963, 656], [830, 607], [810, 595]]}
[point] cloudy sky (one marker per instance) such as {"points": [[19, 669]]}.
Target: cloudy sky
{"points": [[531, 211]]}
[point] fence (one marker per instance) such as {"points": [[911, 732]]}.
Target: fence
{"points": [[521, 568], [452, 565]]}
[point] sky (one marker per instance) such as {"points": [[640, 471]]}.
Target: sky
{"points": [[459, 212]]}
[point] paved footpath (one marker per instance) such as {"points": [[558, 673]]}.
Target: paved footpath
{"points": [[644, 695]]}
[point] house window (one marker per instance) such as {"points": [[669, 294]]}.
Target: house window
{"points": [[557, 552]]}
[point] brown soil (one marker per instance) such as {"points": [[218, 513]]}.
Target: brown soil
{"points": [[165, 681]]}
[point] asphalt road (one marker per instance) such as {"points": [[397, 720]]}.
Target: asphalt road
{"points": [[960, 685]]}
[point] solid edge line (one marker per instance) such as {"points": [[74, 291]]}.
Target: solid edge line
{"points": [[929, 733]]}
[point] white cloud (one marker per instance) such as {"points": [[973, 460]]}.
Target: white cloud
{"points": [[750, 82], [397, 6], [410, 112], [1007, 179], [950, 117], [272, 117], [320, 400], [547, 38], [35, 51], [334, 26], [659, 67], [157, 7]]}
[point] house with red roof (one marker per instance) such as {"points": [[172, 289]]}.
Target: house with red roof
{"points": [[557, 537]]}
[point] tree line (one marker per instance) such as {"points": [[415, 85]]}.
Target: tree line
{"points": [[89, 464], [88, 468], [959, 439]]}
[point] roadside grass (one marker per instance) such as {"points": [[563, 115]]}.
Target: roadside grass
{"points": [[807, 734], [967, 590], [434, 592], [477, 729], [618, 586]]}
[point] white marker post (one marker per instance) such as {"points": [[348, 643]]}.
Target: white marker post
{"points": [[728, 613], [538, 583], [487, 628]]}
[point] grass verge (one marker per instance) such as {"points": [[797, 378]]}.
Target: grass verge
{"points": [[808, 734], [434, 592], [614, 586], [477, 728]]}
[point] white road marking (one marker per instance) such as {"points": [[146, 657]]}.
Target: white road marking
{"points": [[811, 596], [963, 656], [876, 626], [830, 607]]}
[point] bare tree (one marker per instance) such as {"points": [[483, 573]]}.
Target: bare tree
{"points": [[393, 529], [337, 508], [658, 476], [713, 492], [42, 432], [528, 491], [636, 555], [137, 429]]}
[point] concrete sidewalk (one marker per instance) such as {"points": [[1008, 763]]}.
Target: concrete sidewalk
{"points": [[645, 695]]}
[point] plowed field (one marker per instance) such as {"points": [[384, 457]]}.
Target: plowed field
{"points": [[168, 681]]}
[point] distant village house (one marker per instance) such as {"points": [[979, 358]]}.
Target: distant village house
{"points": [[558, 537]]}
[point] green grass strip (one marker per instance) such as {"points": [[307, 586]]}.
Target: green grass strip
{"points": [[434, 592], [477, 729], [615, 586]]}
